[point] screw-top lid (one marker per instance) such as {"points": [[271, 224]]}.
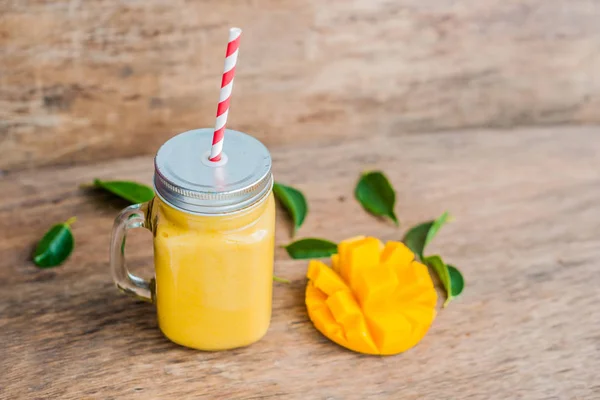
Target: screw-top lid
{"points": [[186, 179]]}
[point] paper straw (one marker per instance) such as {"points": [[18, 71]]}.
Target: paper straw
{"points": [[225, 94]]}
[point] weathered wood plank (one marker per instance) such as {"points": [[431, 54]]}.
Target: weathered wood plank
{"points": [[83, 81], [525, 236]]}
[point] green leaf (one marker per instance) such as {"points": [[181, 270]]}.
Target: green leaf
{"points": [[293, 201], [56, 245], [281, 280], [311, 248], [450, 276], [376, 195], [441, 269], [419, 236], [133, 192], [457, 282], [416, 237]]}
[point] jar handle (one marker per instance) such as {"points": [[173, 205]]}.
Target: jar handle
{"points": [[130, 218]]}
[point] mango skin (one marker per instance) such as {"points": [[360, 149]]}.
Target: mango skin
{"points": [[375, 299]]}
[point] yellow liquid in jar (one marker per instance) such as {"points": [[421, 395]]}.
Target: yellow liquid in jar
{"points": [[214, 275]]}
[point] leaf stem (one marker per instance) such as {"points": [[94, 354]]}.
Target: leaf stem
{"points": [[281, 280], [70, 221]]}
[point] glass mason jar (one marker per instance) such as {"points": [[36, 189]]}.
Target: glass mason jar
{"points": [[213, 225]]}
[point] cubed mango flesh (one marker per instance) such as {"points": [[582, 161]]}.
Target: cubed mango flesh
{"points": [[314, 297], [335, 263], [324, 278], [390, 330], [362, 254], [375, 284], [396, 253], [343, 306], [357, 333], [343, 252], [374, 300]]}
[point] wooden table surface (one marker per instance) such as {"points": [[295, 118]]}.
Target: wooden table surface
{"points": [[127, 73], [526, 237]]}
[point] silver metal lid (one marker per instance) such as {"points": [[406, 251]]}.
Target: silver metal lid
{"points": [[186, 179]]}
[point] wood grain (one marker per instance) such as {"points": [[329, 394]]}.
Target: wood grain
{"points": [[86, 81], [525, 237]]}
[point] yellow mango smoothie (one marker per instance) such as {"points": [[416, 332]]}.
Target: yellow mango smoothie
{"points": [[214, 276], [213, 224]]}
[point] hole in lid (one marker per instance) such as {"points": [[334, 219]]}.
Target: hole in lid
{"points": [[206, 160]]}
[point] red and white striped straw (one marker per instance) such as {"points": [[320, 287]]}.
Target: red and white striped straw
{"points": [[225, 94]]}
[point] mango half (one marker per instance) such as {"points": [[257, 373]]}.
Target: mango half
{"points": [[374, 299]]}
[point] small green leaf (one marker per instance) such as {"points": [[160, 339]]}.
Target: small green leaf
{"points": [[435, 227], [281, 280], [457, 282], [418, 237], [294, 202], [311, 248], [376, 195], [131, 191], [451, 278], [56, 245]]}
